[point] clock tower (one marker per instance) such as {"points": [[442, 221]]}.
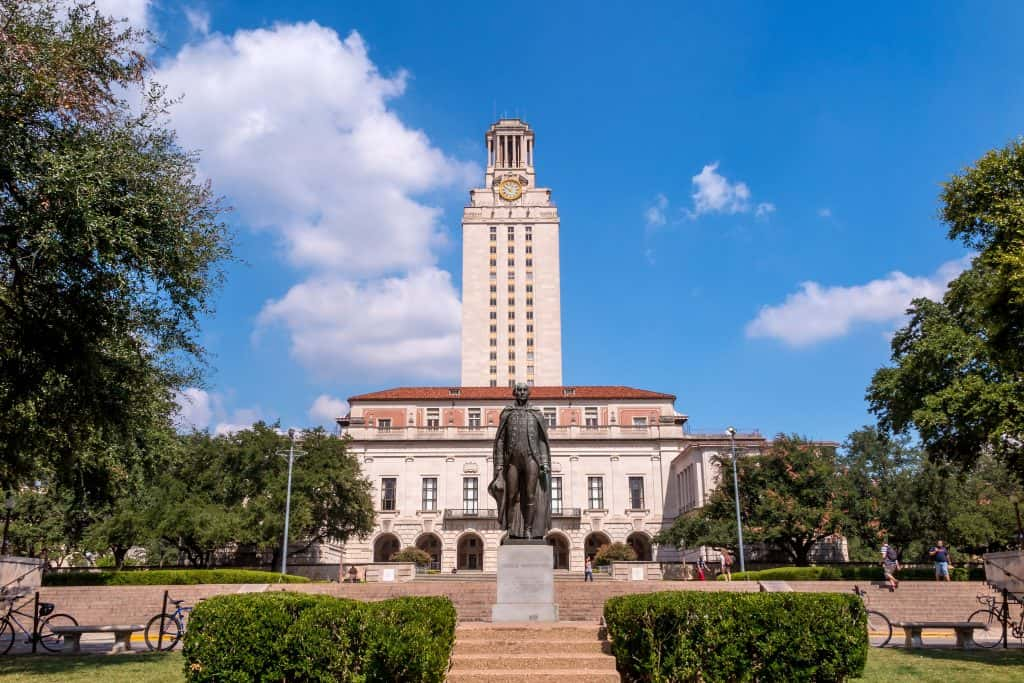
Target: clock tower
{"points": [[511, 301]]}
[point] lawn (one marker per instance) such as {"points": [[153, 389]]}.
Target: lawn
{"points": [[920, 666]]}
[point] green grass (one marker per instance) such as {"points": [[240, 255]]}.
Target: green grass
{"points": [[920, 666], [151, 667], [937, 665]]}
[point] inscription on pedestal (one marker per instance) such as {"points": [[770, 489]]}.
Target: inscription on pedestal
{"points": [[526, 584]]}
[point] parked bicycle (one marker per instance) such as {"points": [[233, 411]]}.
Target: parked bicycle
{"points": [[879, 626], [992, 616], [164, 631], [10, 624]]}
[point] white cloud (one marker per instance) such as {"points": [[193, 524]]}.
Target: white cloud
{"points": [[394, 327], [198, 20], [764, 209], [655, 213], [817, 313], [135, 11], [326, 409], [293, 125], [825, 213], [715, 194], [205, 410]]}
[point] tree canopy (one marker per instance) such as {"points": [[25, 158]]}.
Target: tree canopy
{"points": [[958, 365], [110, 250], [789, 498]]}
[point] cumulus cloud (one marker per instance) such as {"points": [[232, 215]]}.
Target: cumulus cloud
{"points": [[326, 408], [825, 213], [392, 327], [713, 193], [205, 411], [198, 20], [136, 12], [655, 213], [764, 209], [816, 313], [294, 126]]}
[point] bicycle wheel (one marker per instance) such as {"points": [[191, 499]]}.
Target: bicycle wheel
{"points": [[879, 629], [50, 640], [992, 634], [170, 636], [6, 636]]}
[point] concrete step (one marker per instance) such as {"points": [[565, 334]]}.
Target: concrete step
{"points": [[532, 661], [515, 647], [533, 676]]}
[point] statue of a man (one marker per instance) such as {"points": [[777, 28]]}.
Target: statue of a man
{"points": [[522, 469]]}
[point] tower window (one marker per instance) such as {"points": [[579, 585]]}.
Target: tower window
{"points": [[511, 369], [511, 355], [494, 288], [494, 382], [511, 289], [529, 248], [529, 288], [494, 355], [494, 228], [494, 262], [529, 328], [512, 315], [511, 262], [529, 237], [494, 315], [511, 248], [529, 341], [494, 238], [494, 369], [511, 301], [494, 329], [529, 262], [494, 342], [511, 329], [494, 301], [529, 301], [494, 249], [529, 315]]}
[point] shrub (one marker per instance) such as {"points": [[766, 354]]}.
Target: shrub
{"points": [[853, 573], [167, 577], [614, 552], [693, 635], [412, 554], [295, 637]]}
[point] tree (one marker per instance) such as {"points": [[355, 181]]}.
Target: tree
{"points": [[223, 491], [110, 249], [614, 552], [958, 365], [789, 498], [895, 493], [412, 554]]}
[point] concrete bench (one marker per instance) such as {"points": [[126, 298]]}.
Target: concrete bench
{"points": [[964, 631], [122, 635]]}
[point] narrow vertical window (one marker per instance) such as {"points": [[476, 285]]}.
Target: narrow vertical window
{"points": [[429, 493], [636, 493], [595, 488], [388, 487], [556, 495], [470, 495]]}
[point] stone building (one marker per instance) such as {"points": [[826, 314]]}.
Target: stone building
{"points": [[624, 464]]}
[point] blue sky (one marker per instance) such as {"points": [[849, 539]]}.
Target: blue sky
{"points": [[748, 192]]}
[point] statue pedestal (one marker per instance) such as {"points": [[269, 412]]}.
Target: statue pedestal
{"points": [[526, 583]]}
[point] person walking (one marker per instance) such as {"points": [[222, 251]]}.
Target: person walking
{"points": [[702, 568], [588, 570], [726, 563], [940, 555], [890, 565]]}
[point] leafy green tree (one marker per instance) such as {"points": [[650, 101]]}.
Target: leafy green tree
{"points": [[412, 554], [790, 498], [220, 492], [614, 552], [958, 365], [110, 249]]}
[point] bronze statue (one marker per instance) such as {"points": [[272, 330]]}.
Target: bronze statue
{"points": [[522, 470]]}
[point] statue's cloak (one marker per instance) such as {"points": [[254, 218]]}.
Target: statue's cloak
{"points": [[510, 517]]}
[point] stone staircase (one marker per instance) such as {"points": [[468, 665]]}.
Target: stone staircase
{"points": [[562, 652]]}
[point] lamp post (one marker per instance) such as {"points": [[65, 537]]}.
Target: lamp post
{"points": [[291, 455], [736, 492], [8, 509]]}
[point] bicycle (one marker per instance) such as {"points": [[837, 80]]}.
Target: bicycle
{"points": [[992, 616], [44, 636], [173, 627], [879, 626]]}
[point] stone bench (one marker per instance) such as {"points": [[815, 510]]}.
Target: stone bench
{"points": [[964, 631], [122, 635]]}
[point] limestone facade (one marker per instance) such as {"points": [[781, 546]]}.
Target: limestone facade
{"points": [[511, 300], [623, 468]]}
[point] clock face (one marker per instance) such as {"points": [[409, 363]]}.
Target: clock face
{"points": [[510, 189]]}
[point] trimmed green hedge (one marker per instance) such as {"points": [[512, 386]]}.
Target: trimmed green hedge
{"points": [[167, 577], [295, 637], [710, 637], [853, 573]]}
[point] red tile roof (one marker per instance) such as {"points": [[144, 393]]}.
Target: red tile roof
{"points": [[505, 393]]}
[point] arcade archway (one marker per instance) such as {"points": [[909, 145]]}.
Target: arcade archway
{"points": [[560, 549], [594, 541], [385, 546], [431, 545], [470, 553], [641, 545]]}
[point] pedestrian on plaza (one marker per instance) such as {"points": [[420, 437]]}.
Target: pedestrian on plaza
{"points": [[588, 570], [702, 568], [890, 565], [726, 563], [940, 555]]}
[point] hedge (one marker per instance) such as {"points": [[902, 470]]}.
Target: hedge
{"points": [[853, 573], [296, 638], [167, 577], [710, 637]]}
